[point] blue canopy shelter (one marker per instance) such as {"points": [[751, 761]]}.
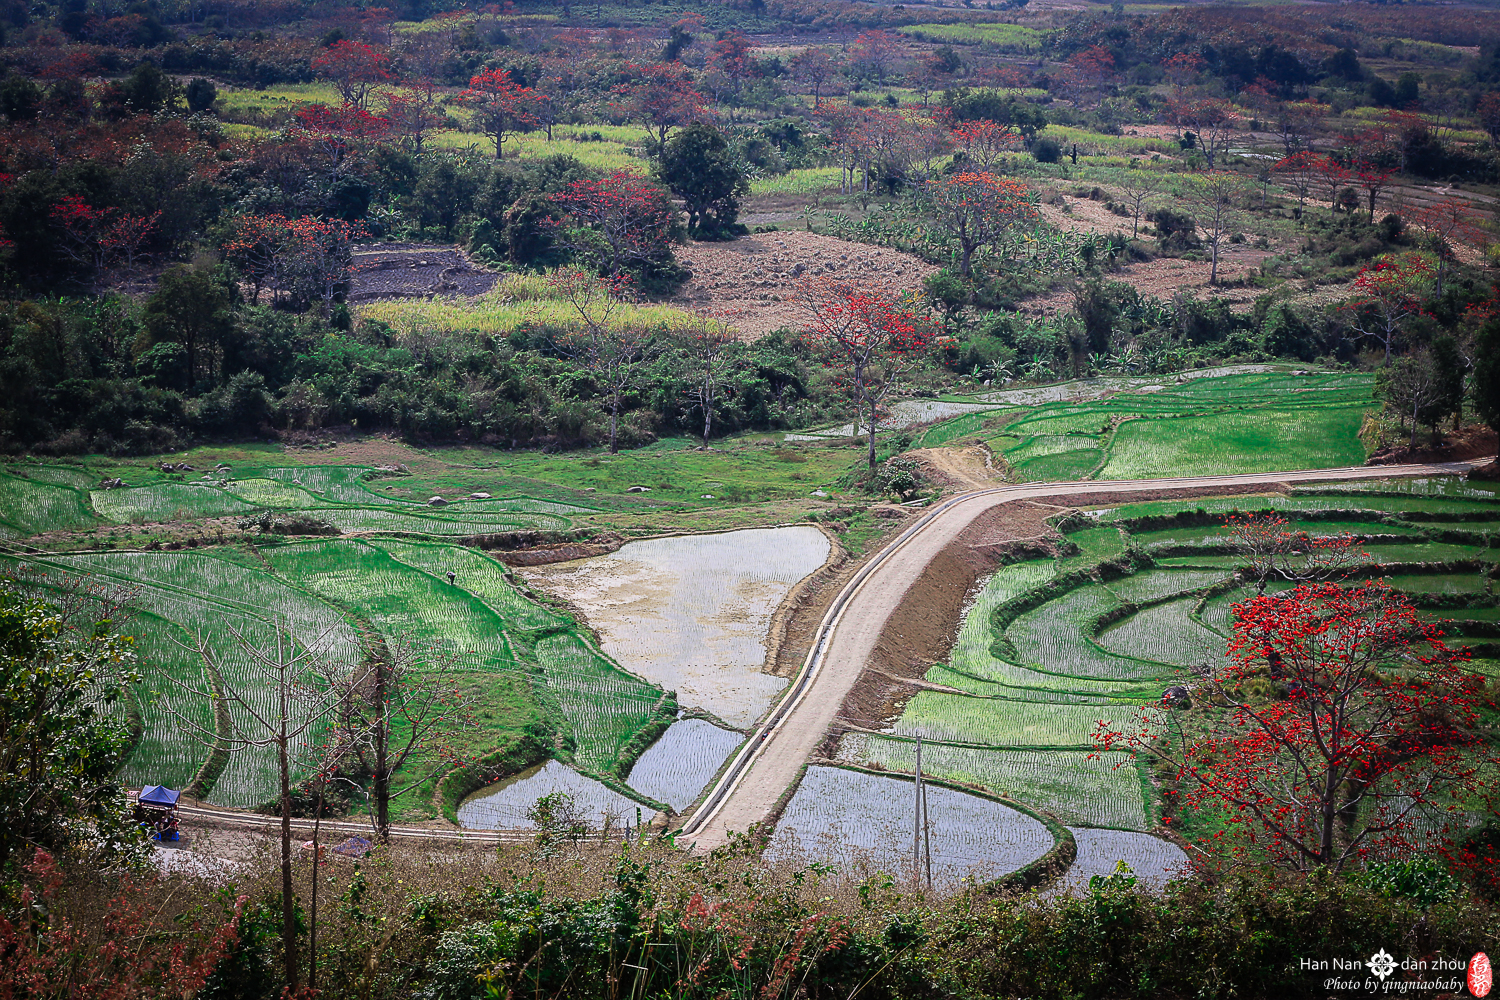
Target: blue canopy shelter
{"points": [[156, 811], [158, 795]]}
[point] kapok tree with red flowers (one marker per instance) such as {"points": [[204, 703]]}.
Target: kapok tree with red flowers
{"points": [[1373, 749], [978, 209], [1273, 549], [338, 132], [871, 339], [1388, 293], [98, 237], [324, 256], [663, 98], [983, 141], [499, 107], [412, 113], [621, 219], [353, 68], [1448, 221]]}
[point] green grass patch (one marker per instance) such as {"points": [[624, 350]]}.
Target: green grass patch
{"points": [[807, 180], [1000, 37]]}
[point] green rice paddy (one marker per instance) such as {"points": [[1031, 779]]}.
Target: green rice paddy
{"points": [[1048, 649], [1250, 422], [521, 664]]}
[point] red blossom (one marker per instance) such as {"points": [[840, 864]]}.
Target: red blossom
{"points": [[1370, 749]]}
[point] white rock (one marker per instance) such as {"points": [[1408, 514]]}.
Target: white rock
{"points": [[479, 496]]}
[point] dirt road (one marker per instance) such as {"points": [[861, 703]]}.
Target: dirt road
{"points": [[849, 633]]}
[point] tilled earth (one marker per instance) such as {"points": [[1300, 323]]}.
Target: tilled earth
{"points": [[407, 270], [753, 282]]}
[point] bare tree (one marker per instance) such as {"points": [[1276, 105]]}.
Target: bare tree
{"points": [[710, 347], [299, 702], [1274, 550], [1412, 387], [1216, 192], [616, 354], [1137, 187], [403, 709]]}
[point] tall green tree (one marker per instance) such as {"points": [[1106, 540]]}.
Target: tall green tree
{"points": [[64, 671], [700, 168], [190, 307], [1487, 374]]}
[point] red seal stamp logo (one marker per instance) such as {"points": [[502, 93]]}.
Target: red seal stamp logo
{"points": [[1481, 976]]}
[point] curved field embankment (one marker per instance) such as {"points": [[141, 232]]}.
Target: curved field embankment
{"points": [[903, 604]]}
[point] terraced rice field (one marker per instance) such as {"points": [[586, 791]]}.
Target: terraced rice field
{"points": [[864, 821], [504, 805], [520, 661], [691, 613], [1151, 860], [1041, 668], [1223, 421], [679, 766]]}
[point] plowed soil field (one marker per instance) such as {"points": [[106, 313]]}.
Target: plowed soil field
{"points": [[753, 282]]}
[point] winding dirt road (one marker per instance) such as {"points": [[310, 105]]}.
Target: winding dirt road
{"points": [[769, 762]]}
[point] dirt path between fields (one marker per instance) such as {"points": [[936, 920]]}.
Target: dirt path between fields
{"points": [[868, 624]]}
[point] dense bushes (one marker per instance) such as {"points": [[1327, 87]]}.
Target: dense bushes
{"points": [[646, 920], [105, 376]]}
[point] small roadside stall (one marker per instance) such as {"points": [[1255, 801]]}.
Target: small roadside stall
{"points": [[156, 812]]}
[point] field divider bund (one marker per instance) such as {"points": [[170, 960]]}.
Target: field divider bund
{"points": [[715, 801], [228, 818]]}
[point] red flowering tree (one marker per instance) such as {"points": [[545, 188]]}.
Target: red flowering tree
{"points": [[873, 52], [983, 141], [1274, 550], [1298, 172], [353, 68], [260, 247], [500, 108], [815, 67], [124, 951], [1388, 293], [1448, 221], [98, 237], [620, 219], [412, 113], [1331, 177], [870, 339], [662, 99], [308, 258], [1182, 69], [324, 257], [1210, 119], [978, 209], [338, 132], [1372, 749]]}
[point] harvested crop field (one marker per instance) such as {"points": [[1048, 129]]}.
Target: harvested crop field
{"points": [[691, 613], [753, 282], [406, 270]]}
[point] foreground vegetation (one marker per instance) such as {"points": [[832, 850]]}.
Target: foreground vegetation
{"points": [[644, 920]]}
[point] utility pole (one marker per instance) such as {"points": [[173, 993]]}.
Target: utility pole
{"points": [[921, 837]]}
